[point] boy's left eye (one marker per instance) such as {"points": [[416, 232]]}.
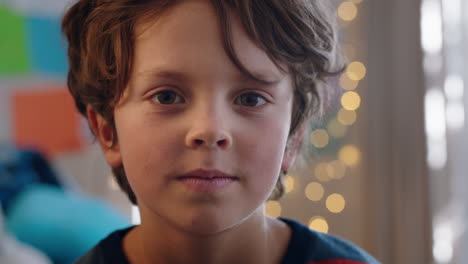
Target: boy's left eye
{"points": [[168, 97], [250, 100]]}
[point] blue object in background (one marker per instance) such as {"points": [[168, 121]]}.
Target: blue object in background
{"points": [[20, 168], [62, 225], [46, 45]]}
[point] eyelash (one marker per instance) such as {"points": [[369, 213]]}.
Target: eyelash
{"points": [[154, 96], [254, 94], [182, 100]]}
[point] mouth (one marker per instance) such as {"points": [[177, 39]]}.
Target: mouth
{"points": [[206, 181]]}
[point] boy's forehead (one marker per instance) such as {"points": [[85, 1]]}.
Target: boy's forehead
{"points": [[182, 35], [170, 73]]}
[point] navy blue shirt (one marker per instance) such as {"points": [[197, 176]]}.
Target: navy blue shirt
{"points": [[305, 247]]}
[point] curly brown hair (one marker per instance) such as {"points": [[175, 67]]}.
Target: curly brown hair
{"points": [[297, 34]]}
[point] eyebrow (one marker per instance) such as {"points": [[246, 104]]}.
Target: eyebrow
{"points": [[260, 78]]}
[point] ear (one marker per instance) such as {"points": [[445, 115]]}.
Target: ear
{"points": [[104, 133], [292, 147]]}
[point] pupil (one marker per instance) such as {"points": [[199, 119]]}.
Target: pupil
{"points": [[250, 100], [166, 97]]}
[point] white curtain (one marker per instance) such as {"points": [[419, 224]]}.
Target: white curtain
{"points": [[445, 40]]}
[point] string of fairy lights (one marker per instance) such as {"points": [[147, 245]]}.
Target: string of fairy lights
{"points": [[329, 138]]}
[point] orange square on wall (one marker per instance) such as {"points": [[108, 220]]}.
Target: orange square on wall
{"points": [[46, 120]]}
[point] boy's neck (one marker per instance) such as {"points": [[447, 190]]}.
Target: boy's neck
{"points": [[257, 240]]}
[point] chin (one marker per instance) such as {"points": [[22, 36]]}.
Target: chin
{"points": [[209, 225]]}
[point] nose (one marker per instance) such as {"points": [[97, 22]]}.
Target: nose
{"points": [[208, 131]]}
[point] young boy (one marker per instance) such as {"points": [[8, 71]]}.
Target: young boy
{"points": [[199, 108]]}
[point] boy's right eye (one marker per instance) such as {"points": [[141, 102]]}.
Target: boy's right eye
{"points": [[168, 97]]}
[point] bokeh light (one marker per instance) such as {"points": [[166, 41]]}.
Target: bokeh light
{"points": [[321, 172], [339, 169], [335, 203], [336, 129], [319, 138], [350, 155], [273, 209], [347, 117], [350, 101], [319, 224], [443, 237], [356, 71], [347, 11], [289, 183], [348, 84], [314, 191]]}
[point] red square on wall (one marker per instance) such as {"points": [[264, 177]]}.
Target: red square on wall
{"points": [[46, 120]]}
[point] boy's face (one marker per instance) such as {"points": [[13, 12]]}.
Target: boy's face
{"points": [[188, 108]]}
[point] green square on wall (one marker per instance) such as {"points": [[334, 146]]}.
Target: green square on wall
{"points": [[13, 50]]}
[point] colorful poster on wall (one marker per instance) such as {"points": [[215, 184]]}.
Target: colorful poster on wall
{"points": [[13, 51], [46, 120], [46, 46], [31, 40]]}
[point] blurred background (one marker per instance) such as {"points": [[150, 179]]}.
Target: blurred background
{"points": [[390, 154]]}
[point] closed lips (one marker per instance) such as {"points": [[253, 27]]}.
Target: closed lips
{"points": [[206, 175]]}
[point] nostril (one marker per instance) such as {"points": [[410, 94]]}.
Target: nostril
{"points": [[199, 142]]}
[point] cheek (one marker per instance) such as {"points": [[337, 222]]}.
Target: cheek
{"points": [[267, 150], [263, 153], [144, 147]]}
